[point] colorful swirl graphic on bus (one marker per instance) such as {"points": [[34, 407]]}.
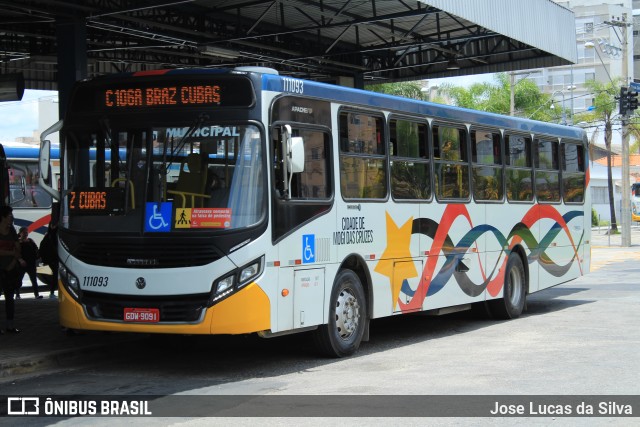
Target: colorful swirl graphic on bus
{"points": [[431, 282]]}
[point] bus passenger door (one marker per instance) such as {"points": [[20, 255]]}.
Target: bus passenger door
{"points": [[302, 224]]}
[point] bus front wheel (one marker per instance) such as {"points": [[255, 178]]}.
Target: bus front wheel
{"points": [[342, 334], [512, 302]]}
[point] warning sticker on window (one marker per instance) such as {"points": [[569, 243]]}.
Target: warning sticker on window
{"points": [[203, 218]]}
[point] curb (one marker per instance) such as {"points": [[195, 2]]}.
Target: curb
{"points": [[79, 356]]}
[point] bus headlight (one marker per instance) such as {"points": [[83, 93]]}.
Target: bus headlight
{"points": [[235, 280], [222, 288], [249, 272], [70, 281], [225, 284]]}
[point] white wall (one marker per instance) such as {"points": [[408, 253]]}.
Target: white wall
{"points": [[598, 174], [47, 116]]}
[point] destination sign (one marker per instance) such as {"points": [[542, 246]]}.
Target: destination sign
{"points": [[163, 96], [145, 93], [96, 201]]}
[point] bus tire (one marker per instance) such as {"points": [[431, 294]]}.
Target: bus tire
{"points": [[512, 302], [343, 333]]}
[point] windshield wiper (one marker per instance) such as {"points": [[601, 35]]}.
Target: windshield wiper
{"points": [[106, 128], [201, 118]]}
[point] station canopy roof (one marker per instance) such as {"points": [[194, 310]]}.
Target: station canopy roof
{"points": [[376, 40]]}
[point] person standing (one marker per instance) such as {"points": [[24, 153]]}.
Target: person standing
{"points": [[49, 255], [29, 253], [9, 260]]}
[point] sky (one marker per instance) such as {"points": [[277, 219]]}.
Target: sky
{"points": [[20, 118], [465, 81]]}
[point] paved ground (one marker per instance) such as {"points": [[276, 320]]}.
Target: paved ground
{"points": [[42, 343]]}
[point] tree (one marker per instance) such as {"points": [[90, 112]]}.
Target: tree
{"points": [[529, 101], [407, 89], [605, 111]]}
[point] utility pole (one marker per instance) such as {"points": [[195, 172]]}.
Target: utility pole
{"points": [[625, 214], [512, 99], [512, 84]]}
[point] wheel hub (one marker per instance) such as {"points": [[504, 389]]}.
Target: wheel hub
{"points": [[515, 286], [347, 314]]}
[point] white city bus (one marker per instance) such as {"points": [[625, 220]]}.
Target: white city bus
{"points": [[241, 201]]}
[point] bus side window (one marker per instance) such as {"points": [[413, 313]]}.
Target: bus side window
{"points": [[547, 174], [451, 162], [487, 165], [363, 163], [311, 189], [573, 173], [314, 181], [518, 172], [24, 186], [410, 166]]}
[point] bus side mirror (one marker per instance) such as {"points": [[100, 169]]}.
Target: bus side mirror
{"points": [[44, 161], [296, 155], [45, 151], [292, 157]]}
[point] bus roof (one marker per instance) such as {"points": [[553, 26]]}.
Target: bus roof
{"points": [[437, 111]]}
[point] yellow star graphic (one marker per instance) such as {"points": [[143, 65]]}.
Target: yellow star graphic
{"points": [[398, 247]]}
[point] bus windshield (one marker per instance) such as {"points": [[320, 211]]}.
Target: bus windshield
{"points": [[203, 176]]}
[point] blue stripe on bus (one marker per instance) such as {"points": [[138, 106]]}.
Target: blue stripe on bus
{"points": [[15, 153], [438, 111], [28, 152]]}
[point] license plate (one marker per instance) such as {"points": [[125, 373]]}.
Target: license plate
{"points": [[150, 315]]}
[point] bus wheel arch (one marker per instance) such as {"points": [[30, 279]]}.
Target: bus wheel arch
{"points": [[515, 287], [347, 319]]}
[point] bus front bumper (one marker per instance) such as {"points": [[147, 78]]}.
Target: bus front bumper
{"points": [[244, 312]]}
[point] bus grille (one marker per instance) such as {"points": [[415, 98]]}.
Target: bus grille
{"points": [[174, 308], [146, 254]]}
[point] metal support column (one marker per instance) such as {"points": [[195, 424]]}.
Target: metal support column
{"points": [[72, 57]]}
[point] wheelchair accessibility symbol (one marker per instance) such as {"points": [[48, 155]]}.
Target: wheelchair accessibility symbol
{"points": [[157, 217], [308, 248]]}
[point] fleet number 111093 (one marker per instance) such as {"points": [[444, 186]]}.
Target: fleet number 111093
{"points": [[292, 85], [95, 281]]}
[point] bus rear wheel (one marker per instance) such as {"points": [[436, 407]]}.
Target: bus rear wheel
{"points": [[512, 302], [343, 333]]}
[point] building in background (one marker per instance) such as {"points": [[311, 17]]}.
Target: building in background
{"points": [[600, 57], [599, 51]]}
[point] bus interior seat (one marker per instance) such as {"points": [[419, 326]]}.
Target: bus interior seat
{"points": [[192, 179], [217, 187]]}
